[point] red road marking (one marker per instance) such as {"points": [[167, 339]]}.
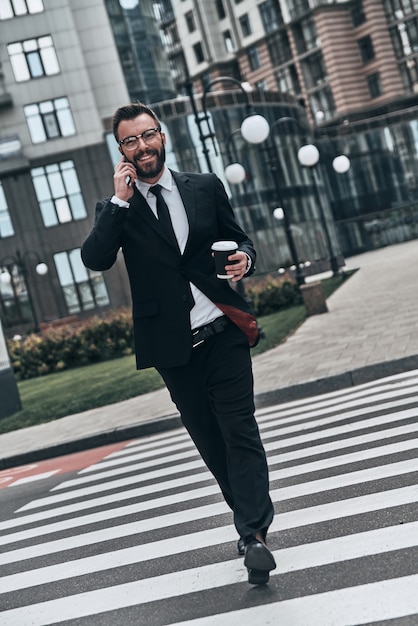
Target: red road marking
{"points": [[59, 465]]}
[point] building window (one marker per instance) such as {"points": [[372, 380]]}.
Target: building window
{"points": [[198, 51], [261, 85], [14, 8], [287, 80], [83, 289], [49, 119], [357, 14], [245, 25], [33, 58], [229, 44], [374, 85], [58, 193], [14, 301], [297, 8], [314, 70], [400, 8], [270, 15], [365, 45], [322, 100], [6, 226], [279, 48], [253, 58], [305, 35], [220, 9], [191, 25], [409, 74], [406, 37]]}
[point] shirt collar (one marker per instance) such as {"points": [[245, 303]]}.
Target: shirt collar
{"points": [[165, 180]]}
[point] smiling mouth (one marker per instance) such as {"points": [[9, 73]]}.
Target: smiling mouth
{"points": [[146, 157]]}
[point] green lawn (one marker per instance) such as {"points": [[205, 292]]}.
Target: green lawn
{"points": [[72, 391]]}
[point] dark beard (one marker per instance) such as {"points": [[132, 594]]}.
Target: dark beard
{"points": [[145, 174]]}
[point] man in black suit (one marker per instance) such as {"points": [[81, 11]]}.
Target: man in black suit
{"points": [[194, 328]]}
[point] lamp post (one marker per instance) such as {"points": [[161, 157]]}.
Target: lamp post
{"points": [[20, 262], [308, 156], [254, 127], [235, 173], [9, 393]]}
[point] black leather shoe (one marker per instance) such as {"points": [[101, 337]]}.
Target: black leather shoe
{"points": [[241, 546], [259, 561], [258, 577]]}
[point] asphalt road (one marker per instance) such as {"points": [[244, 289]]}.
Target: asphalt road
{"points": [[138, 534]]}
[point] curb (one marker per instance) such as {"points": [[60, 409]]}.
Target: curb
{"points": [[368, 373]]}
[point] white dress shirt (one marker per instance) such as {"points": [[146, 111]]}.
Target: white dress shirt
{"points": [[204, 310]]}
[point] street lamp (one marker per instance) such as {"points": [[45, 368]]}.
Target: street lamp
{"points": [[308, 156], [235, 173], [254, 128], [9, 392], [20, 262]]}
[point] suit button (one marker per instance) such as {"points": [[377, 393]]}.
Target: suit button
{"points": [[184, 298]]}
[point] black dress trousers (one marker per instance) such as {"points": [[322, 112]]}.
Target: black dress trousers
{"points": [[214, 395]]}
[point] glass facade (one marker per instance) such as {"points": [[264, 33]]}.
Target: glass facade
{"points": [[137, 37], [376, 202], [274, 178]]}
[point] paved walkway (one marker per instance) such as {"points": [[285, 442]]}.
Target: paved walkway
{"points": [[369, 331]]}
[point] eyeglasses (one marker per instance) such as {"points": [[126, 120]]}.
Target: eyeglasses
{"points": [[131, 143]]}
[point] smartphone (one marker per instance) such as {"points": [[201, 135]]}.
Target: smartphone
{"points": [[128, 179]]}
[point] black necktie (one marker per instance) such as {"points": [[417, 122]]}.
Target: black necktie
{"points": [[164, 214], [165, 219]]}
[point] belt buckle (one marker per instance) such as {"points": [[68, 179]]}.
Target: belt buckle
{"points": [[194, 345]]}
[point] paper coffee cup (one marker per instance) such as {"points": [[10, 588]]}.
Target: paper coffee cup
{"points": [[222, 250]]}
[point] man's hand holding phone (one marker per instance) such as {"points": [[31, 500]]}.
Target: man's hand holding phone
{"points": [[124, 180]]}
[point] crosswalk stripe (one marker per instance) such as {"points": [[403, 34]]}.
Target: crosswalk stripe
{"points": [[269, 447], [291, 559], [294, 491], [196, 478], [386, 600], [343, 470], [123, 482], [300, 517]]}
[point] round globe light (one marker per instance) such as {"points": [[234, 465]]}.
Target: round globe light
{"points": [[128, 4], [235, 173], [308, 155], [41, 269], [319, 116], [278, 213], [255, 129], [341, 164]]}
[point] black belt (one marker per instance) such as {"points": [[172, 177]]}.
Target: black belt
{"points": [[199, 335]]}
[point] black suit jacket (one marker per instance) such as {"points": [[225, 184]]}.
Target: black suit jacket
{"points": [[159, 275]]}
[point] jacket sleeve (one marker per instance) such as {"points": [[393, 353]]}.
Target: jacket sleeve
{"points": [[100, 249]]}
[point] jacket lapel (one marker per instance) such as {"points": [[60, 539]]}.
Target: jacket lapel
{"points": [[140, 205], [188, 196]]}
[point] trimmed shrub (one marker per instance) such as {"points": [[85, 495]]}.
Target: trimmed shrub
{"points": [[111, 336], [273, 294], [90, 341]]}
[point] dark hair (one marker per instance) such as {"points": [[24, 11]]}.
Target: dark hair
{"points": [[130, 112]]}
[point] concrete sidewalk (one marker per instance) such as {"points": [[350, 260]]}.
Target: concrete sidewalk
{"points": [[370, 331]]}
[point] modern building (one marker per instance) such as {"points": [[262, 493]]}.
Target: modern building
{"points": [[342, 73], [59, 85], [353, 64]]}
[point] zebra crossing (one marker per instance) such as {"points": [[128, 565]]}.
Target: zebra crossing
{"points": [[144, 536]]}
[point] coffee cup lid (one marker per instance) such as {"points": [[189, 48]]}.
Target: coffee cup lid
{"points": [[224, 245]]}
